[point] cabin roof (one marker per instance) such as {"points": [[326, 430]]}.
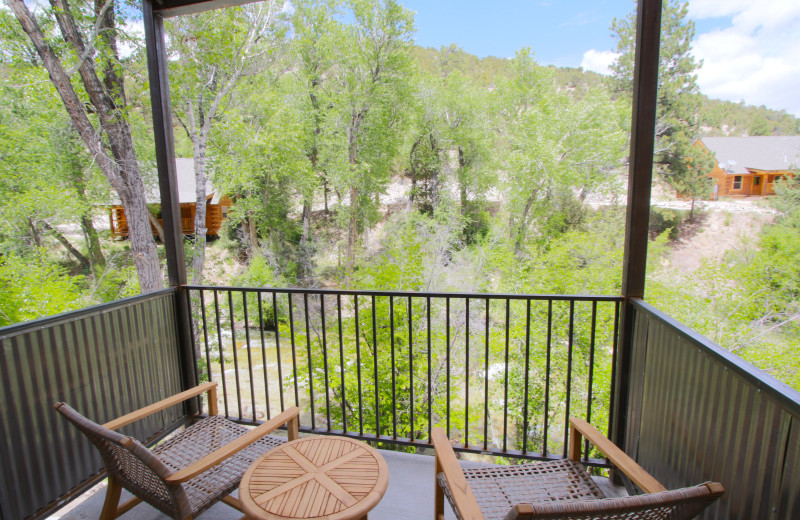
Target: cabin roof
{"points": [[184, 169], [736, 155]]}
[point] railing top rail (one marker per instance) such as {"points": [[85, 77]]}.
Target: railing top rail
{"points": [[418, 294], [25, 326], [784, 394]]}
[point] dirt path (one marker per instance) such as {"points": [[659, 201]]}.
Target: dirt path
{"points": [[724, 226]]}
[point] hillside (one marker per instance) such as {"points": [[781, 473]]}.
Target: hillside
{"points": [[715, 117]]}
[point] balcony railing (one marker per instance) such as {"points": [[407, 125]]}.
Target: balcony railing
{"points": [[502, 373]]}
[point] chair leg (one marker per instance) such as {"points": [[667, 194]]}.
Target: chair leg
{"points": [[113, 492], [438, 497], [233, 502]]}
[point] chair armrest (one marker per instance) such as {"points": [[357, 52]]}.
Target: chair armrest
{"points": [[141, 413], [447, 463], [640, 477], [288, 417]]}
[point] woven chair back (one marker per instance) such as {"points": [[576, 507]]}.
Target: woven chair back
{"points": [[133, 465]]}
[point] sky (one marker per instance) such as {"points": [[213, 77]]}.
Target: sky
{"points": [[750, 49]]}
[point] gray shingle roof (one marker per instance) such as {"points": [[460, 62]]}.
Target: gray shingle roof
{"points": [[736, 154]]}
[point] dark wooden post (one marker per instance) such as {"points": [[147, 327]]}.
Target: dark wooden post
{"points": [[645, 95], [168, 184]]}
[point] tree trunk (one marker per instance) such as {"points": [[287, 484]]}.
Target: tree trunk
{"points": [[92, 242], [462, 183], [252, 234], [34, 233], [306, 253], [199, 254], [82, 260], [352, 228], [519, 232], [122, 171], [159, 228]]}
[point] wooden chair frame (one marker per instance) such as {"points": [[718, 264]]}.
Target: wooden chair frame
{"points": [[111, 507], [467, 507]]}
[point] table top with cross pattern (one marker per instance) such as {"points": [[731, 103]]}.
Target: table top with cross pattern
{"points": [[331, 478]]}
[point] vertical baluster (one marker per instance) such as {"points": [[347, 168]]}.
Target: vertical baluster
{"points": [[277, 346], [430, 406], [547, 376], [486, 377], [309, 361], [466, 373], [612, 395], [505, 391], [527, 371], [205, 333], [194, 345], [569, 374], [264, 354], [235, 355], [294, 351], [411, 368], [591, 373], [341, 361], [325, 360], [447, 362], [221, 354], [249, 355], [358, 370], [375, 361], [394, 385]]}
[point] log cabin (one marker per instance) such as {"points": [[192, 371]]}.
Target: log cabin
{"points": [[747, 166], [217, 205]]}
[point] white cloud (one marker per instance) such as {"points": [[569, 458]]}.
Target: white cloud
{"points": [[756, 58], [598, 61], [135, 30]]}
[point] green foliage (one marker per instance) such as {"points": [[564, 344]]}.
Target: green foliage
{"points": [[689, 168], [259, 273], [722, 118], [558, 148], [678, 100], [34, 288], [667, 221]]}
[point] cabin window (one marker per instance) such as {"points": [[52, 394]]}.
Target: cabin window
{"points": [[737, 182], [756, 181], [224, 211]]}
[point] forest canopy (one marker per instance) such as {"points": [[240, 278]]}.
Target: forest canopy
{"points": [[356, 159]]}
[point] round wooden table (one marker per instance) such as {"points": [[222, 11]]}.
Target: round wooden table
{"points": [[332, 478]]}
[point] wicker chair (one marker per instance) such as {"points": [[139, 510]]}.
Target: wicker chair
{"points": [[190, 471], [559, 489]]}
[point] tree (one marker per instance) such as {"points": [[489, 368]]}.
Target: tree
{"points": [[689, 170], [214, 49], [92, 51], [314, 47], [678, 94], [260, 160], [368, 96], [559, 150]]}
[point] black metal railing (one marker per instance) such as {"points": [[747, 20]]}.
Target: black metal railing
{"points": [[501, 373]]}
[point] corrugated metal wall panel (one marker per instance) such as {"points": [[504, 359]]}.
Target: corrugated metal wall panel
{"points": [[789, 499], [705, 416], [105, 362]]}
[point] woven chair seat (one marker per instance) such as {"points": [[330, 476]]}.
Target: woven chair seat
{"points": [[202, 438], [497, 489]]}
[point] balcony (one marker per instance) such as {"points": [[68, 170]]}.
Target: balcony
{"points": [[695, 412], [501, 373]]}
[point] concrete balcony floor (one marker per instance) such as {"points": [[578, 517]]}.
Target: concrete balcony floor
{"points": [[409, 496]]}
